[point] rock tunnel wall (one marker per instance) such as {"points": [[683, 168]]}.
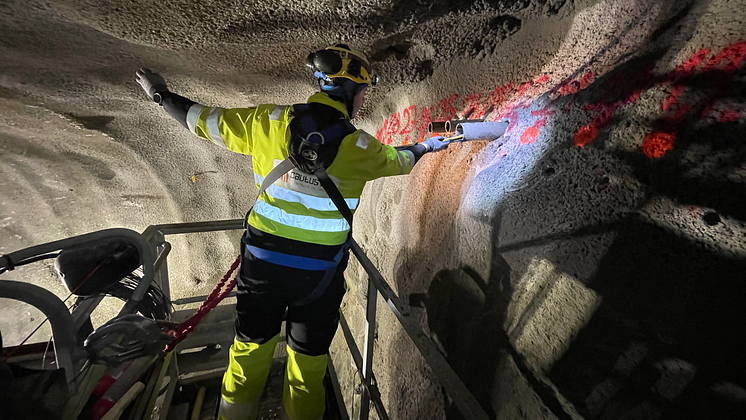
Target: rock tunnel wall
{"points": [[588, 263]]}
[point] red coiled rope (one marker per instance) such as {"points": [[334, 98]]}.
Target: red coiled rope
{"points": [[180, 332]]}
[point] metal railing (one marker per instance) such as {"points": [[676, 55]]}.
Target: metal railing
{"points": [[464, 400], [154, 250]]}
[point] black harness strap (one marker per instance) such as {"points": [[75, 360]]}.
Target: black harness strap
{"points": [[333, 192], [318, 130]]}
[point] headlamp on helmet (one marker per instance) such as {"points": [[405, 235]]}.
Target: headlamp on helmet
{"points": [[341, 61]]}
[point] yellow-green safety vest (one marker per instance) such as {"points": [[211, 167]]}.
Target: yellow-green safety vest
{"points": [[296, 206]]}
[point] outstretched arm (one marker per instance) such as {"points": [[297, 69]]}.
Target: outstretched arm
{"points": [[430, 145], [367, 158], [229, 128], [155, 87]]}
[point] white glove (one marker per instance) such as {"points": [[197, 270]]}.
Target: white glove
{"points": [[150, 82]]}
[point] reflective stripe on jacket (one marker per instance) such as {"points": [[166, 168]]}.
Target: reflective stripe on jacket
{"points": [[296, 206]]}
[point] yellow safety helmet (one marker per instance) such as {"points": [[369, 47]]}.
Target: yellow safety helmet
{"points": [[342, 61]]}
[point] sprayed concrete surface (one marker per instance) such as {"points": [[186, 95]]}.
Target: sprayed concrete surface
{"points": [[590, 263]]}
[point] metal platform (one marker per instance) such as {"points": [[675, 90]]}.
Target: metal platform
{"points": [[200, 360]]}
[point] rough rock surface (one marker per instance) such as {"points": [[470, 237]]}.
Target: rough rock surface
{"points": [[587, 264]]}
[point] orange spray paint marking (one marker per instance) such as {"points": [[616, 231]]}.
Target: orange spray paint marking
{"points": [[529, 136], [586, 135], [657, 144]]}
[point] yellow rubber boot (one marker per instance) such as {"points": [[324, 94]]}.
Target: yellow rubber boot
{"points": [[303, 393], [244, 380]]}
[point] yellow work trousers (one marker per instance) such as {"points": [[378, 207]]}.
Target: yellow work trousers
{"points": [[303, 391]]}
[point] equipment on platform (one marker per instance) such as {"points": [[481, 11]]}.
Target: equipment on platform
{"points": [[107, 268], [128, 337], [143, 380]]}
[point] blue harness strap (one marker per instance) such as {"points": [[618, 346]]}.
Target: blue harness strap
{"points": [[305, 263], [332, 131], [294, 261]]}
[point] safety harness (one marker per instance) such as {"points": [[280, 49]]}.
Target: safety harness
{"points": [[316, 131]]}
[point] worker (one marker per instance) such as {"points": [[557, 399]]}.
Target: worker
{"points": [[295, 248]]}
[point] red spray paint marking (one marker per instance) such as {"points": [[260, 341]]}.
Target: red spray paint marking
{"points": [[472, 109], [605, 110], [523, 88], [410, 124], [497, 96], [728, 60], [425, 120], [586, 80], [686, 69], [729, 115], [690, 65], [447, 110], [531, 133], [569, 89], [381, 133], [678, 117], [411, 119], [543, 79], [734, 54], [543, 113], [571, 86], [672, 98], [512, 116], [395, 123], [656, 144]]}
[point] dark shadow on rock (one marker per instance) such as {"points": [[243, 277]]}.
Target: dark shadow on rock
{"points": [[465, 317], [665, 335], [672, 21], [96, 167], [95, 122], [662, 344]]}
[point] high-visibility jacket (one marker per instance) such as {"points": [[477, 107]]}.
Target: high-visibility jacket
{"points": [[296, 206]]}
